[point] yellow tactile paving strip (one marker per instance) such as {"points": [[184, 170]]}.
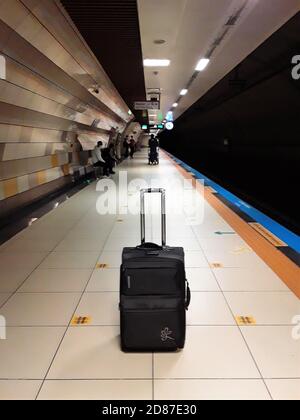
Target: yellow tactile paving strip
{"points": [[287, 270]]}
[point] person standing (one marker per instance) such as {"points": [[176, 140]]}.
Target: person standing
{"points": [[132, 147], [153, 143], [126, 145]]}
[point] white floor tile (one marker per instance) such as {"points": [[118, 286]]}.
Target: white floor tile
{"points": [[103, 308], [70, 260], [284, 389], [210, 353], [40, 309], [28, 352], [189, 244], [53, 223], [4, 297], [275, 350], [97, 390], [95, 234], [195, 259], [202, 280], [205, 390], [43, 234], [104, 280], [216, 363], [27, 260], [209, 308], [112, 259], [207, 228], [267, 308], [12, 278], [20, 245], [233, 243], [118, 243], [56, 280], [94, 353], [82, 244], [11, 390], [233, 259], [249, 279]]}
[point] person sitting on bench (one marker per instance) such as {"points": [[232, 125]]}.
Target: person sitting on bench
{"points": [[98, 160]]}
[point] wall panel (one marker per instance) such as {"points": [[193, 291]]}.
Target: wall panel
{"points": [[47, 99]]}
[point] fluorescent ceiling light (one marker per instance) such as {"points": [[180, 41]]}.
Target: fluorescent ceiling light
{"points": [[203, 63], [175, 105], [183, 92], [156, 63]]}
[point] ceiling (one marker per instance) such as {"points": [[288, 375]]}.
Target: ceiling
{"points": [[190, 29], [122, 33], [111, 29]]}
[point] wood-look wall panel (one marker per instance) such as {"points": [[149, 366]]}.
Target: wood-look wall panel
{"points": [[60, 102], [16, 95], [20, 167], [27, 150], [28, 27], [18, 133], [15, 115], [11, 186], [20, 50], [64, 33], [47, 99], [29, 196]]}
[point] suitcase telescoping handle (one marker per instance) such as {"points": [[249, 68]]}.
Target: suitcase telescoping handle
{"points": [[163, 214]]}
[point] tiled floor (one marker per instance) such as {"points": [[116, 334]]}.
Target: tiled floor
{"points": [[52, 272]]}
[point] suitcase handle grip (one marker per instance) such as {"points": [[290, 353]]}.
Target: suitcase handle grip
{"points": [[163, 214], [188, 296]]}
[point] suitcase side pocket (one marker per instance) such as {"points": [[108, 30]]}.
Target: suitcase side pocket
{"points": [[152, 323]]}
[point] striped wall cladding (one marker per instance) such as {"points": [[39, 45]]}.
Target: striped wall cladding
{"points": [[14, 186], [15, 168], [48, 97]]}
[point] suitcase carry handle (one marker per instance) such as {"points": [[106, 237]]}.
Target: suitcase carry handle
{"points": [[188, 296], [163, 215]]}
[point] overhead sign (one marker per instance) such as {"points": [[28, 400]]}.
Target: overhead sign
{"points": [[169, 125], [153, 127], [142, 106], [170, 116]]}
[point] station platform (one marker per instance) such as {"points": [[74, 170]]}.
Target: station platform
{"points": [[59, 296]]}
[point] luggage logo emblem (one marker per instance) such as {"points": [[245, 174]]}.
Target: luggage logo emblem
{"points": [[166, 334]]}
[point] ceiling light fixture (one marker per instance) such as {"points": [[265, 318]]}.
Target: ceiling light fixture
{"points": [[183, 92], [175, 105], [156, 63], [202, 64]]}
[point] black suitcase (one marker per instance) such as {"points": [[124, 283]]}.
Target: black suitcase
{"points": [[154, 293]]}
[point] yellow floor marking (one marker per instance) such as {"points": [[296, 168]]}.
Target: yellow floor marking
{"points": [[102, 265], [216, 265], [268, 235], [81, 320], [245, 320]]}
